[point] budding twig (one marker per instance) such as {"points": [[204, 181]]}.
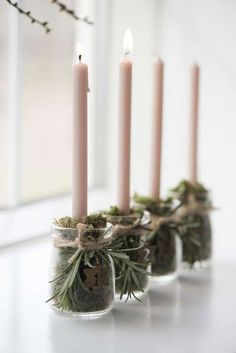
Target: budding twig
{"points": [[63, 8], [28, 14]]}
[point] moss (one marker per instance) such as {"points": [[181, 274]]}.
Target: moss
{"points": [[144, 200], [185, 187], [158, 207], [94, 220], [115, 211]]}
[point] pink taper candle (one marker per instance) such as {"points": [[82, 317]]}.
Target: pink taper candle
{"points": [[124, 135], [157, 129], [193, 143], [79, 182]]}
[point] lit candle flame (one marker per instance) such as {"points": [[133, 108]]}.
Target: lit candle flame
{"points": [[128, 42], [79, 50]]}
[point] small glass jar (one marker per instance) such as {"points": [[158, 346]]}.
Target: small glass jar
{"points": [[197, 239], [136, 239], [92, 293], [163, 240], [165, 250]]}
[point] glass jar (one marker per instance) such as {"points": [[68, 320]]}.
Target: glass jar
{"points": [[163, 240], [134, 237], [197, 237], [92, 293], [165, 250]]}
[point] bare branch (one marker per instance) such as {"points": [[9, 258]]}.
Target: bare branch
{"points": [[63, 8], [30, 16]]}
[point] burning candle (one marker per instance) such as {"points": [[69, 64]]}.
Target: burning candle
{"points": [[79, 182], [193, 143], [124, 136], [158, 70]]}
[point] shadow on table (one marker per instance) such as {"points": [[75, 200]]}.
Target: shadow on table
{"points": [[182, 305], [75, 335], [193, 278], [133, 313]]}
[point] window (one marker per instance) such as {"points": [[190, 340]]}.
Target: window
{"points": [[36, 116], [4, 89], [36, 104]]}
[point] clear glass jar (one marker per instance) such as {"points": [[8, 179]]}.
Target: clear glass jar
{"points": [[137, 238], [92, 293], [165, 250], [163, 240], [196, 240]]}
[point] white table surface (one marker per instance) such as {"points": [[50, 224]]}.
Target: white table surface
{"points": [[196, 314]]}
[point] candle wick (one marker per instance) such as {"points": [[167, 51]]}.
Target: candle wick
{"points": [[80, 58], [126, 53]]}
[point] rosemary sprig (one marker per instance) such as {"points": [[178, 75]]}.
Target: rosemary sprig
{"points": [[128, 274], [65, 281], [195, 233]]}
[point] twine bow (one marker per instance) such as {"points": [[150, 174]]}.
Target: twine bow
{"points": [[193, 206]]}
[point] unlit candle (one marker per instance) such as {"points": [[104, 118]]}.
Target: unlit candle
{"points": [[158, 70], [124, 134], [193, 134]]}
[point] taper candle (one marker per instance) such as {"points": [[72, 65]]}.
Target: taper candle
{"points": [[193, 134], [80, 154], [124, 134], [158, 70]]}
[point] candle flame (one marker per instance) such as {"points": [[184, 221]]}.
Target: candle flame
{"points": [[79, 50], [128, 42]]}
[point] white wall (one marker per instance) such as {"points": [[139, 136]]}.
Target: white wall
{"points": [[181, 32], [204, 31]]}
